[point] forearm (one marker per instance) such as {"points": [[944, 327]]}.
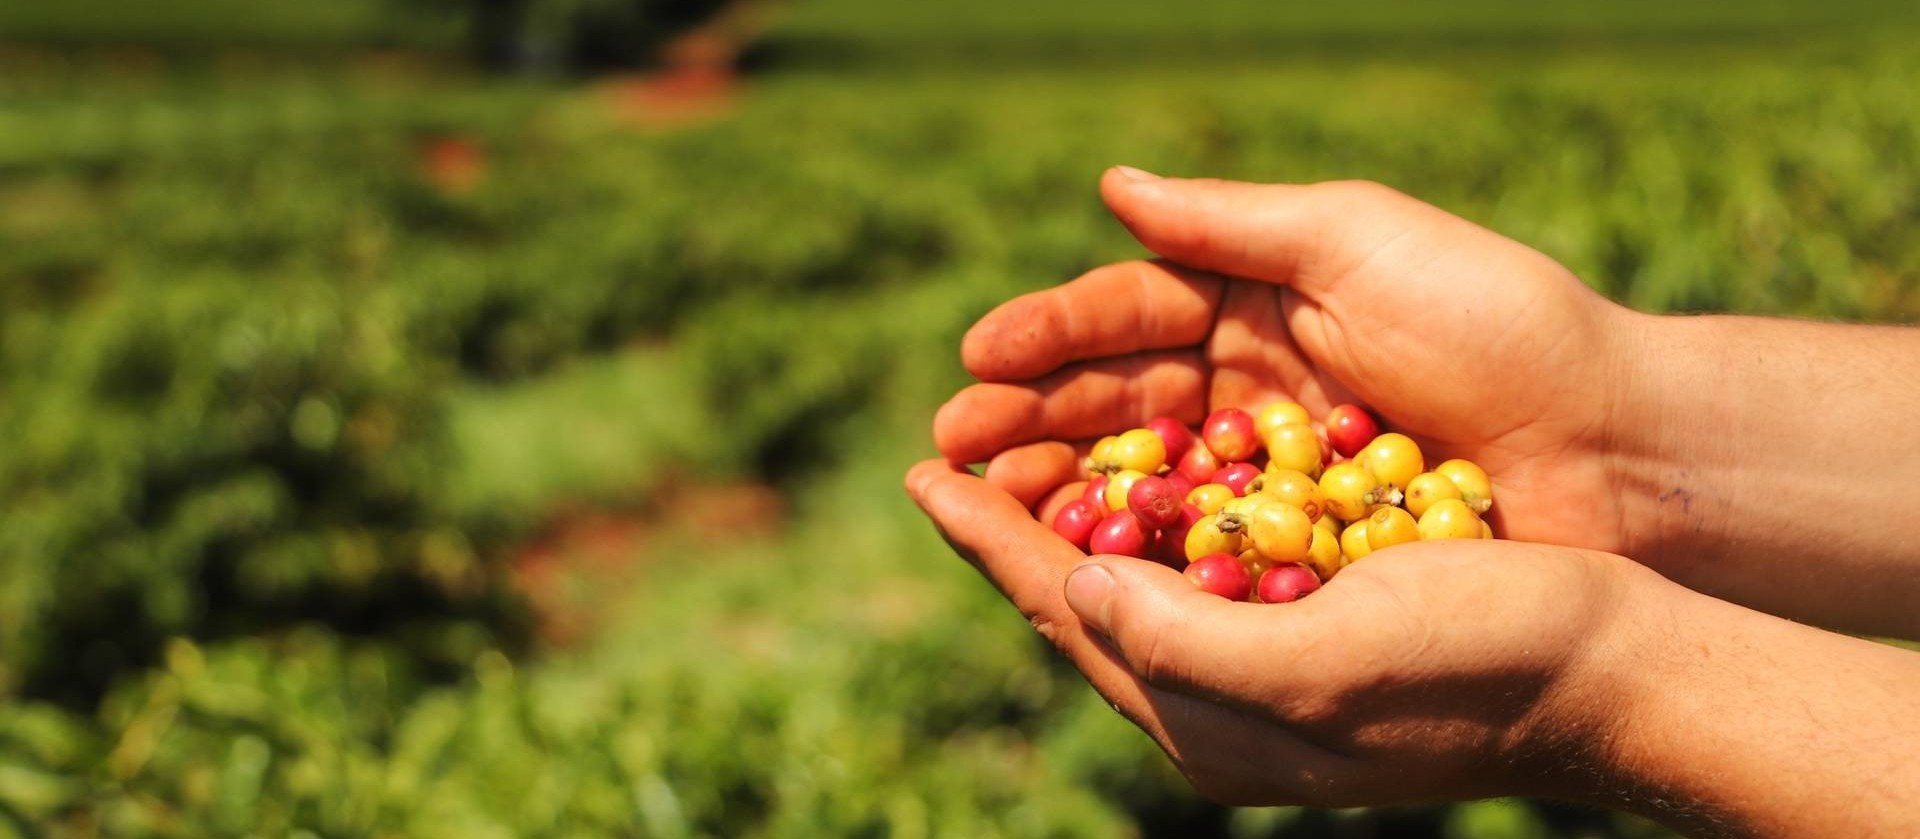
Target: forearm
{"points": [[1774, 463], [1734, 723]]}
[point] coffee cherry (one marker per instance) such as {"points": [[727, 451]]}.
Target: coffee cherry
{"points": [[1350, 428], [1486, 530], [1077, 520], [1199, 463], [1351, 492], [1153, 499], [1292, 487], [1181, 483], [1280, 532], [1139, 450], [1393, 458], [1170, 543], [1221, 574], [1475, 488], [1323, 556], [1120, 533], [1118, 485], [1449, 518], [1426, 488], [1353, 543], [1211, 497], [1276, 415], [1255, 563], [1389, 526], [1295, 446], [1207, 537], [1286, 583], [1229, 434], [1100, 459], [1173, 435], [1236, 476], [1330, 523], [1097, 491]]}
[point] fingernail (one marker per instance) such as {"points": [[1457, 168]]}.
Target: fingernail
{"points": [[1090, 595], [1133, 174]]}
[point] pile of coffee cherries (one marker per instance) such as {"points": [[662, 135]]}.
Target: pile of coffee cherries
{"points": [[1268, 506]]}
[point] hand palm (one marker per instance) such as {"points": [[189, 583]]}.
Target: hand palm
{"points": [[1476, 346], [1496, 370]]}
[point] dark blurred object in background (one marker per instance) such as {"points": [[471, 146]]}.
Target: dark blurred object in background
{"points": [[600, 35]]}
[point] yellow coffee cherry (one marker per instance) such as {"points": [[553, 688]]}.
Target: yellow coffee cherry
{"points": [[1256, 563], [1330, 523], [1389, 526], [1294, 446], [1351, 492], [1206, 537], [1475, 487], [1279, 531], [1449, 518], [1118, 484], [1393, 458], [1140, 450], [1426, 488], [1486, 530], [1100, 460], [1210, 497], [1293, 487], [1324, 555], [1240, 510], [1353, 542], [1279, 414]]}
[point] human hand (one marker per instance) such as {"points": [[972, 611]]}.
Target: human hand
{"points": [[1426, 671], [1474, 344]]}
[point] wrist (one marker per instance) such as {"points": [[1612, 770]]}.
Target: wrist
{"points": [[1569, 749], [1724, 721], [1744, 452], [1667, 432]]}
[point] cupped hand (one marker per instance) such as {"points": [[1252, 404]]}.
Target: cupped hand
{"points": [[1434, 670], [1473, 344]]}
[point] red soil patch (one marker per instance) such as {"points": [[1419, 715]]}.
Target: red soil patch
{"points": [[453, 164], [671, 98], [701, 79], [581, 565]]}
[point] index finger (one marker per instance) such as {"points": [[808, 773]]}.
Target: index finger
{"points": [[1113, 310]]}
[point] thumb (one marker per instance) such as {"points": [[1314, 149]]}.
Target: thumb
{"points": [[1300, 235], [1171, 634]]}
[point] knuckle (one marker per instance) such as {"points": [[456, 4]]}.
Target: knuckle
{"points": [[1046, 626], [1360, 191], [1158, 658]]}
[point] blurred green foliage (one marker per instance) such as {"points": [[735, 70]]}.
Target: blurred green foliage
{"points": [[279, 393]]}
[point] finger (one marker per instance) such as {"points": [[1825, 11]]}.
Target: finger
{"points": [[1255, 356], [1302, 235], [1028, 563], [1024, 558], [1179, 638], [1112, 310], [1253, 360], [1081, 401], [1029, 473]]}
